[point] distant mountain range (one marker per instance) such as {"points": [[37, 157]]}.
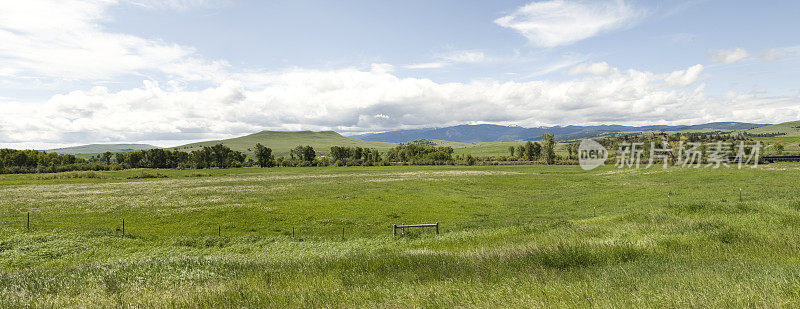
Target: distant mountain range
{"points": [[282, 141], [497, 133]]}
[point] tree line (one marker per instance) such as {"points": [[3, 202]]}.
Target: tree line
{"points": [[221, 156], [14, 161], [535, 151]]}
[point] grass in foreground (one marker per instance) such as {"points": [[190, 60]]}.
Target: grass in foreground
{"points": [[512, 236]]}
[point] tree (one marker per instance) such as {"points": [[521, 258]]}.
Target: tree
{"points": [[134, 159], [309, 154], [537, 151], [520, 151], [470, 159], [572, 151], [528, 151], [340, 153], [296, 151], [120, 158], [224, 157], [106, 157], [264, 156], [511, 151], [156, 158], [548, 148]]}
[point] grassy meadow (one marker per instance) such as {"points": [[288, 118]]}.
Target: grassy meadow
{"points": [[512, 236]]}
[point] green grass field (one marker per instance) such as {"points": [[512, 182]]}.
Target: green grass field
{"points": [[512, 236]]}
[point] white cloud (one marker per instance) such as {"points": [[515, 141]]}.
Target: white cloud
{"points": [[597, 68], [63, 40], [773, 54], [728, 56], [447, 59], [427, 65], [465, 56], [562, 22], [683, 78], [352, 100]]}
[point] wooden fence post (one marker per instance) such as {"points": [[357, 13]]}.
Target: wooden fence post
{"points": [[123, 227], [740, 194], [28, 225], [403, 227], [219, 230]]}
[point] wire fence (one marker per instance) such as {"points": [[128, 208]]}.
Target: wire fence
{"points": [[127, 227]]}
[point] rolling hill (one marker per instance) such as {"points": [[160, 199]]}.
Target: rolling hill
{"points": [[790, 129], [101, 148], [282, 141]]}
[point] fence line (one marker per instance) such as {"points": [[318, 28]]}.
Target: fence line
{"points": [[40, 221]]}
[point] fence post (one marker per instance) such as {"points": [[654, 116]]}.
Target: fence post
{"points": [[123, 227], [669, 204], [28, 225], [437, 228], [343, 233], [740, 194], [293, 232], [394, 229], [219, 230]]}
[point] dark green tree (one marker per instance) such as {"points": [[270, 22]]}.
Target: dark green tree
{"points": [[264, 156], [528, 151], [106, 157], [309, 154]]}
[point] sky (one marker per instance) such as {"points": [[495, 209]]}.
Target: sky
{"points": [[174, 71]]}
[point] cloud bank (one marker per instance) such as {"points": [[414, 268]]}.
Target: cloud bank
{"points": [[353, 100], [64, 40]]}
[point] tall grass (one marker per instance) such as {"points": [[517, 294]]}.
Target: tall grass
{"points": [[521, 236]]}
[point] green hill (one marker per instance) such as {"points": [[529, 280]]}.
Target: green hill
{"points": [[101, 148], [281, 142], [791, 128]]}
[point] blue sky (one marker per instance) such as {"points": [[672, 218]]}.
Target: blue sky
{"points": [[167, 72]]}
